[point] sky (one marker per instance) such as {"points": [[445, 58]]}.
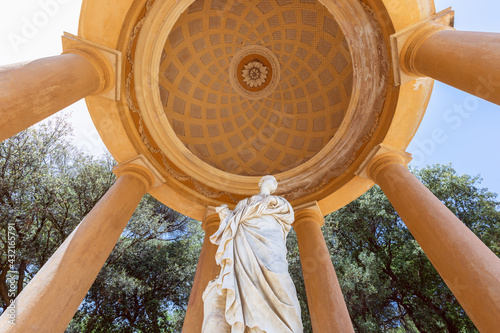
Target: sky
{"points": [[457, 128]]}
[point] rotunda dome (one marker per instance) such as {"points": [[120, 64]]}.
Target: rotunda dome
{"points": [[248, 129]]}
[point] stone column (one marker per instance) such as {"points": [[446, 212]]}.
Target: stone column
{"points": [[462, 59], [469, 268], [51, 299], [326, 303], [32, 91], [206, 271]]}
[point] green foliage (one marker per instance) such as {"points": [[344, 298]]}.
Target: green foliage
{"points": [[387, 281], [145, 284], [46, 188], [295, 271]]}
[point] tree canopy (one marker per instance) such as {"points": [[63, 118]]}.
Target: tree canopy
{"points": [[144, 285], [47, 186], [387, 281]]}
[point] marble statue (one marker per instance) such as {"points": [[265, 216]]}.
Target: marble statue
{"points": [[254, 291]]}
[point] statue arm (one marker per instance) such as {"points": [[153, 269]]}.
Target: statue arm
{"points": [[223, 211]]}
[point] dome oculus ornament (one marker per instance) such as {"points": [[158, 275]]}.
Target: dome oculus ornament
{"points": [[254, 74]]}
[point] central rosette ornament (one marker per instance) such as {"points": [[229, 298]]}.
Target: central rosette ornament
{"points": [[254, 74]]}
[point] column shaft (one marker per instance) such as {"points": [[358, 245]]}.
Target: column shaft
{"points": [[326, 303], [469, 268], [51, 299], [30, 92], [206, 271], [462, 59]]}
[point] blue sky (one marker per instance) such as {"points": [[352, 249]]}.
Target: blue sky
{"points": [[469, 139]]}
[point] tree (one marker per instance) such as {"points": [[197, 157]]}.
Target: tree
{"points": [[295, 270], [144, 285], [387, 281], [46, 187]]}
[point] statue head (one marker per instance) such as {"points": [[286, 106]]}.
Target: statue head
{"points": [[268, 184]]}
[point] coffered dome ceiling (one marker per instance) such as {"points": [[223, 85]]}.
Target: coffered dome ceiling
{"points": [[216, 93], [242, 128]]}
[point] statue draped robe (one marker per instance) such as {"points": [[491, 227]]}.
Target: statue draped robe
{"points": [[254, 291]]}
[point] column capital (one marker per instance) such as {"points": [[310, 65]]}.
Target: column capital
{"points": [[211, 219], [379, 157], [308, 212], [405, 42], [140, 167], [107, 62]]}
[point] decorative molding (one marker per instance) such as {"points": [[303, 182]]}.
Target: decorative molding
{"points": [[314, 186], [366, 169], [181, 191], [254, 74], [108, 61], [368, 92], [142, 162], [178, 176], [274, 78], [307, 212], [405, 42], [210, 219]]}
